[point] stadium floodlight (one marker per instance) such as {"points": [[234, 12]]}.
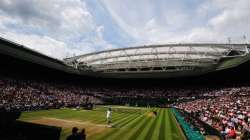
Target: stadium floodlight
{"points": [[245, 39], [229, 40]]}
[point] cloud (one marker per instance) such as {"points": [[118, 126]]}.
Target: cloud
{"points": [[65, 16], [75, 27], [231, 22], [42, 44], [66, 25], [181, 21]]}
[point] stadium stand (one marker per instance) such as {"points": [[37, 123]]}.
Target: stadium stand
{"points": [[228, 113], [25, 95]]}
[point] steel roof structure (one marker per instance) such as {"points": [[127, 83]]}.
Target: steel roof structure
{"points": [[152, 61], [167, 60]]}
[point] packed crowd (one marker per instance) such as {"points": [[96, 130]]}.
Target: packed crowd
{"points": [[229, 113], [152, 95], [26, 95], [17, 94]]}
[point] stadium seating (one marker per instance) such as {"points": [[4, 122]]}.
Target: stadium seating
{"points": [[229, 114]]}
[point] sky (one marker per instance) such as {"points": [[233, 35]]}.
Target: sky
{"points": [[65, 28]]}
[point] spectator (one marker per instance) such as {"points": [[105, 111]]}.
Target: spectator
{"points": [[74, 135], [82, 135]]}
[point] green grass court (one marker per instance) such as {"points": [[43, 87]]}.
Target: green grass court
{"points": [[128, 123]]}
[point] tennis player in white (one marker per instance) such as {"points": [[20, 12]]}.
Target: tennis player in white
{"points": [[109, 115]]}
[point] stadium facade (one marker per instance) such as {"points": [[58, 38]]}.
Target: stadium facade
{"points": [[153, 61]]}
